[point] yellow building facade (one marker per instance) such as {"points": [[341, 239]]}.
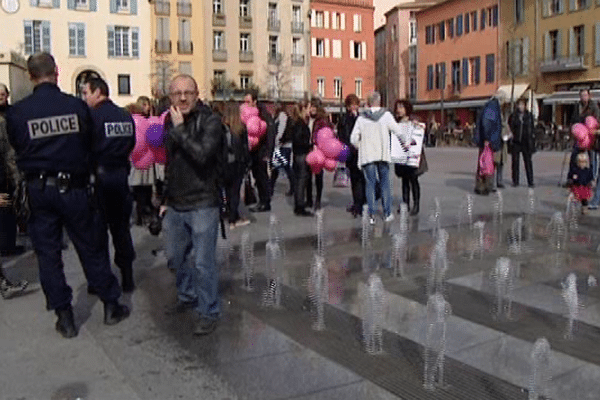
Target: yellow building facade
{"points": [[86, 37]]}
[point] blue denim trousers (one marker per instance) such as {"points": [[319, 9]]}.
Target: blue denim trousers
{"points": [[191, 243], [378, 171]]}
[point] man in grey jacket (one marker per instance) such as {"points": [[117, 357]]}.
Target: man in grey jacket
{"points": [[371, 136]]}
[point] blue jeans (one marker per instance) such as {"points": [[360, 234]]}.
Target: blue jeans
{"points": [[378, 171], [191, 243]]}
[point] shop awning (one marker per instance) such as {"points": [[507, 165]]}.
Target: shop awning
{"points": [[451, 104], [518, 92], [570, 97]]}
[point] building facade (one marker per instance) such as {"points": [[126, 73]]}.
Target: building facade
{"points": [[342, 49], [262, 44], [177, 44], [87, 38], [553, 47], [457, 68], [381, 84]]}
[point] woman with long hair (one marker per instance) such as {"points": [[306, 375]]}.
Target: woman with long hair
{"points": [[410, 175], [298, 133], [318, 119]]}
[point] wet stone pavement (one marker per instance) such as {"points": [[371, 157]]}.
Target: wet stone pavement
{"points": [[260, 352]]}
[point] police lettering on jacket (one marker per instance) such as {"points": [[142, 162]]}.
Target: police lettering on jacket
{"points": [[118, 129], [41, 128]]}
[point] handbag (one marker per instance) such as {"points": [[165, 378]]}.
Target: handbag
{"points": [[341, 177], [249, 193], [486, 162], [279, 160]]}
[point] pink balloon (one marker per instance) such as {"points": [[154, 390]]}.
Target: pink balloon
{"points": [[145, 161], [253, 126], [263, 128], [585, 143], [141, 145], [331, 148], [330, 164], [591, 123], [246, 112], [579, 131], [323, 134], [159, 154], [252, 142], [315, 160]]}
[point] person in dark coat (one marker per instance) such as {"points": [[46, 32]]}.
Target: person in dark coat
{"points": [[523, 141], [488, 131], [357, 178]]}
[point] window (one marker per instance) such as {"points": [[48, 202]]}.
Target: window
{"points": [[553, 42], [319, 18], [272, 12], [336, 45], [244, 8], [578, 41], [81, 4], [490, 71], [356, 50], [519, 11], [320, 51], [219, 75], [357, 22], [429, 34], [412, 88], [163, 74], [393, 35], [297, 14], [162, 29], [442, 31], [555, 7], [217, 7], [273, 45], [122, 5], [450, 24], [218, 40], [430, 77], [244, 42], [44, 3], [474, 21], [459, 25], [576, 5], [296, 46], [185, 33], [123, 41], [77, 39], [321, 87], [474, 70], [37, 36], [412, 29], [358, 84], [455, 76], [185, 67], [467, 23], [493, 14], [124, 85], [245, 80], [440, 75], [465, 72], [483, 18], [337, 88], [336, 20]]}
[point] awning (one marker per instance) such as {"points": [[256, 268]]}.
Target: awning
{"points": [[451, 104], [520, 88], [569, 97]]}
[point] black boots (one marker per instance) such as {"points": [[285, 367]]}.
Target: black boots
{"points": [[416, 189], [9, 290], [115, 313], [66, 323], [127, 280]]}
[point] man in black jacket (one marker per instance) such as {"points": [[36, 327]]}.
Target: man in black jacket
{"points": [[357, 178], [523, 141], [194, 143]]}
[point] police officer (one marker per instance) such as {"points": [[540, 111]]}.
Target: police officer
{"points": [[113, 140], [51, 133]]}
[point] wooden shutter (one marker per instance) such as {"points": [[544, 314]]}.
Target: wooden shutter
{"points": [[135, 42], [313, 42], [28, 25], [133, 7], [561, 6], [545, 8], [547, 46], [597, 44], [477, 70], [327, 48], [46, 42], [355, 23], [572, 5], [559, 46], [572, 44], [71, 4], [55, 3], [81, 39], [465, 71], [93, 5], [33, 3], [352, 55], [343, 21], [363, 50], [111, 40], [72, 39], [525, 55], [113, 7], [313, 19], [326, 19], [334, 24]]}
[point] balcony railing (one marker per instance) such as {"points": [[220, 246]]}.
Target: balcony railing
{"points": [[219, 55], [298, 60], [412, 67], [162, 8], [184, 8], [246, 56], [274, 24], [185, 47], [245, 22], [564, 64], [297, 27], [162, 46], [274, 58], [218, 19]]}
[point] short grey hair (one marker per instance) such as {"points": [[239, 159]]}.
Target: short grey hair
{"points": [[374, 99], [5, 88]]}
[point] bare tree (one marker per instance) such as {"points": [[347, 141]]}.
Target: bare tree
{"points": [[163, 71], [279, 76]]}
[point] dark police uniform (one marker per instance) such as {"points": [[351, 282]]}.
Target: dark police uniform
{"points": [[113, 140], [51, 133]]}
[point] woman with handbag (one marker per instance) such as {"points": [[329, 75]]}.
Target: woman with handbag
{"points": [[409, 175], [299, 133], [282, 153]]}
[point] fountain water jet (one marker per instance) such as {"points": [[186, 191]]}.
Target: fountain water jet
{"points": [[319, 291], [498, 209], [436, 217], [503, 277], [320, 233], [540, 369], [516, 245], [466, 211], [247, 258], [530, 217], [438, 311], [557, 231], [571, 298], [373, 314], [572, 212], [438, 265], [366, 228], [478, 240], [399, 243], [274, 263]]}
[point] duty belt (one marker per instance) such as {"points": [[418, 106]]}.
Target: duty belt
{"points": [[61, 180]]}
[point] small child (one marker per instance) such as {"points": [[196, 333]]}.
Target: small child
{"points": [[582, 179]]}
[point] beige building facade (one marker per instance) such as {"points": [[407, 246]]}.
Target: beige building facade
{"points": [[257, 43], [87, 37]]}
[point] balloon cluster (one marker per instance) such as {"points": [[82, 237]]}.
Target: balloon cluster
{"points": [[328, 151], [149, 140], [255, 126], [584, 133]]}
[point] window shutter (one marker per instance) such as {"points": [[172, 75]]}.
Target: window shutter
{"points": [[46, 37], [561, 6], [326, 19], [525, 55], [583, 40], [429, 77], [33, 3], [477, 70], [93, 5], [352, 55], [55, 3], [364, 50], [443, 75], [71, 4], [111, 39], [572, 49], [355, 23], [133, 7], [313, 46], [465, 71], [313, 19], [29, 36], [559, 44], [547, 49], [343, 21], [81, 39], [597, 44], [334, 20], [113, 7], [72, 39], [572, 5], [327, 48], [135, 42]]}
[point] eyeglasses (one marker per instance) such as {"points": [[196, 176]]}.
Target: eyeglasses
{"points": [[187, 93]]}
